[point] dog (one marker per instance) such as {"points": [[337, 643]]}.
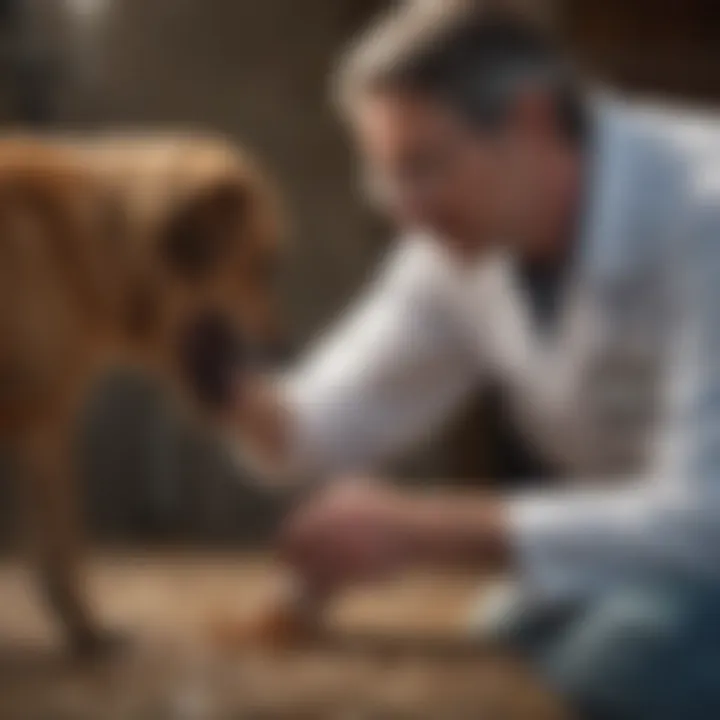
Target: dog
{"points": [[160, 252]]}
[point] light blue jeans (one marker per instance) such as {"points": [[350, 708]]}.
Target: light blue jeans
{"points": [[647, 652]]}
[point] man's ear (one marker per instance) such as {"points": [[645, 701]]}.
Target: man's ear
{"points": [[199, 234]]}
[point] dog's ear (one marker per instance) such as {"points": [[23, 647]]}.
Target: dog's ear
{"points": [[199, 235]]}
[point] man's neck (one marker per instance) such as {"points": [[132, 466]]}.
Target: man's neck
{"points": [[543, 273]]}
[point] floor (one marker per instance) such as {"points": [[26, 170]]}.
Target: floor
{"points": [[396, 652]]}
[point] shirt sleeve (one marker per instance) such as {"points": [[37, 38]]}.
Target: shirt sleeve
{"points": [[668, 522], [397, 364]]}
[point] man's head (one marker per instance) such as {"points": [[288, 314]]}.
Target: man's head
{"points": [[468, 118]]}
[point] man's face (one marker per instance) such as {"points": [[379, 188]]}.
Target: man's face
{"points": [[430, 171]]}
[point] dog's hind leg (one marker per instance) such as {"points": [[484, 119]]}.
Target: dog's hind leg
{"points": [[56, 529]]}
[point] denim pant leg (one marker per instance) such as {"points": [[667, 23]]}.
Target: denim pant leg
{"points": [[520, 623], [646, 653]]}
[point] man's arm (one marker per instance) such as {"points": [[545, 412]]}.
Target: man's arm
{"points": [[360, 530], [392, 371], [567, 544]]}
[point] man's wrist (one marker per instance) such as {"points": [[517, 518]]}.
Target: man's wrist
{"points": [[458, 530]]}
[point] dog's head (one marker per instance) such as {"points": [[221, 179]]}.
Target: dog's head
{"points": [[201, 244]]}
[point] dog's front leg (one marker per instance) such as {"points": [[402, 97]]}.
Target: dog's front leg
{"points": [[56, 531]]}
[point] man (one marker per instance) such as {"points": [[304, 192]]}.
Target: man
{"points": [[598, 307]]}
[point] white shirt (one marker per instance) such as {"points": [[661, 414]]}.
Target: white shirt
{"points": [[629, 383]]}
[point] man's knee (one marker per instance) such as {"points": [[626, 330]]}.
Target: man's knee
{"points": [[649, 653]]}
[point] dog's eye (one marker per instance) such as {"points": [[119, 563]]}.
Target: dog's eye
{"points": [[192, 249], [198, 237]]}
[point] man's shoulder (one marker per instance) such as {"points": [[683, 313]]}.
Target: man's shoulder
{"points": [[673, 139], [689, 142], [655, 163], [691, 127], [677, 181]]}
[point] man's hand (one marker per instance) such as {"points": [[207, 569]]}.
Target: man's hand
{"points": [[356, 531], [259, 428], [260, 416], [359, 531]]}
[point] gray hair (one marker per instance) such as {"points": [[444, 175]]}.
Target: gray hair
{"points": [[473, 55]]}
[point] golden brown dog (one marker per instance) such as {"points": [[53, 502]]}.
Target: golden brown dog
{"points": [[159, 253]]}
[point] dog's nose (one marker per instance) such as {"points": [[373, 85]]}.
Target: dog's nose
{"points": [[211, 354]]}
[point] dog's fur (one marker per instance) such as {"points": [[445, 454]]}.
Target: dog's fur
{"points": [[109, 251]]}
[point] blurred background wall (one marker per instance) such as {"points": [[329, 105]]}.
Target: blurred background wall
{"points": [[257, 70]]}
